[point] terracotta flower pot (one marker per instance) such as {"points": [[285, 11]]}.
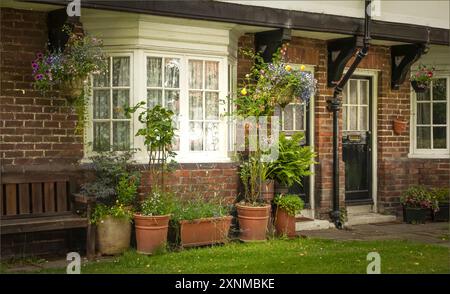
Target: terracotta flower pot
{"points": [[284, 223], [268, 190], [253, 222], [113, 235], [151, 232], [419, 87], [72, 88], [205, 231], [399, 126]]}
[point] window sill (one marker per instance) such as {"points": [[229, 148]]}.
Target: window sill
{"points": [[429, 156]]}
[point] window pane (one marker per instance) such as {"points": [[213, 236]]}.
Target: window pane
{"points": [[102, 79], [344, 95], [101, 136], [212, 137], [353, 92], [440, 113], [172, 100], [195, 105], [121, 71], [196, 136], [212, 105], [299, 117], [212, 75], [440, 89], [344, 118], [353, 117], [439, 137], [195, 74], [363, 118], [121, 100], [423, 138], [154, 74], [288, 116], [121, 135], [423, 96], [172, 73], [364, 87], [423, 113], [154, 97], [101, 104]]}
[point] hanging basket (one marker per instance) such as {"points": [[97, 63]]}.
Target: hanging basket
{"points": [[284, 95], [399, 126], [419, 87], [72, 88]]}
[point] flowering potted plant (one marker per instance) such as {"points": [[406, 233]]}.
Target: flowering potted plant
{"points": [[417, 202], [420, 80], [288, 205], [69, 69], [442, 196]]}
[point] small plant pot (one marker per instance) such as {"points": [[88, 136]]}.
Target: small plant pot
{"points": [[205, 231], [72, 88], [399, 126], [253, 222], [284, 223], [151, 232], [413, 215], [113, 235], [419, 87], [268, 190], [442, 215]]}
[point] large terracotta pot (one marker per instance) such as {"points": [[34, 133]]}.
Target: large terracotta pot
{"points": [[151, 232], [113, 235], [253, 222], [268, 190], [284, 223], [204, 231]]}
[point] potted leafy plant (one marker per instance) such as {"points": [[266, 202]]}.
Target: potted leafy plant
{"points": [[288, 205], [114, 189], [420, 80], [158, 132], [417, 202], [293, 162], [69, 70], [442, 196], [201, 221]]}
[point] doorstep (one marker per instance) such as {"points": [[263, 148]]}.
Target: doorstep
{"points": [[307, 224], [365, 218]]}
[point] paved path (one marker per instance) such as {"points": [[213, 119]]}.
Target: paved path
{"points": [[432, 233]]}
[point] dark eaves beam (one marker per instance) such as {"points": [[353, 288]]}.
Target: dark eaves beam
{"points": [[270, 17]]}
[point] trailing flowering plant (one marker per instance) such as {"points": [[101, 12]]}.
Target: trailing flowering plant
{"points": [[272, 83], [423, 75], [419, 197]]}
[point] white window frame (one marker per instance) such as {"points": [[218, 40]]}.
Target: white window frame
{"points": [[429, 153], [89, 128]]}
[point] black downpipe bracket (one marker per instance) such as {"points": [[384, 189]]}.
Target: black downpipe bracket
{"points": [[334, 105]]}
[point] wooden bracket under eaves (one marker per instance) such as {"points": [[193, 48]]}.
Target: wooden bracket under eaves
{"points": [[402, 57], [56, 19], [267, 43], [339, 53]]}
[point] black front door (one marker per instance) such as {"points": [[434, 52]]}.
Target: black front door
{"points": [[357, 139]]}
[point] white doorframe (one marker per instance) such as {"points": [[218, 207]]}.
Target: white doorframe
{"points": [[373, 74]]}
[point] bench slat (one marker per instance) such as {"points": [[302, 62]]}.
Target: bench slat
{"points": [[61, 196], [26, 225], [24, 198], [36, 198], [49, 197], [11, 200]]}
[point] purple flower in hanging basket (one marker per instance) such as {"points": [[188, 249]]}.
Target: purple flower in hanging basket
{"points": [[34, 65], [39, 55], [38, 77]]}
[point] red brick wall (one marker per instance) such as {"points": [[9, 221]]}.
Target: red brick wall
{"points": [[36, 132], [396, 172]]}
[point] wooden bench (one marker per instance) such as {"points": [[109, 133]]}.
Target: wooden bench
{"points": [[43, 203]]}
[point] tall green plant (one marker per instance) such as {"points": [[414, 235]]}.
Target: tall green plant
{"points": [[293, 163]]}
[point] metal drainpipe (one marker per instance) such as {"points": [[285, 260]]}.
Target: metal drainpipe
{"points": [[334, 106]]}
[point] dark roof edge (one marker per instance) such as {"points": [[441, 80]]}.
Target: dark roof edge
{"points": [[270, 17]]}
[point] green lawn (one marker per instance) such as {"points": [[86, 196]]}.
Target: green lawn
{"points": [[282, 256]]}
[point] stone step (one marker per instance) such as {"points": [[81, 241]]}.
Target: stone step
{"points": [[369, 218], [313, 224], [357, 209]]}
